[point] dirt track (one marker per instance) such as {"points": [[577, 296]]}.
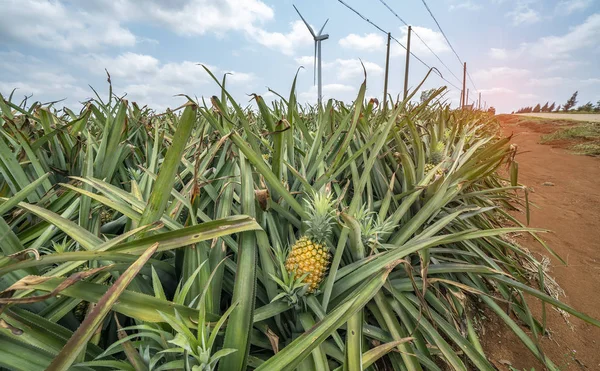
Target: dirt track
{"points": [[569, 206], [589, 117]]}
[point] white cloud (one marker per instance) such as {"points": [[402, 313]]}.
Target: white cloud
{"points": [[499, 73], [498, 53], [286, 43], [565, 65], [466, 5], [581, 36], [93, 24], [351, 68], [523, 14], [556, 50], [434, 39], [31, 76], [196, 17], [146, 79], [591, 81], [51, 24], [305, 60], [527, 96], [567, 7], [240, 77], [494, 91], [548, 81], [336, 91], [368, 42], [129, 64]]}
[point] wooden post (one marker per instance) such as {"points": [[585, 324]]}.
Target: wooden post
{"points": [[407, 63], [387, 70], [464, 88]]}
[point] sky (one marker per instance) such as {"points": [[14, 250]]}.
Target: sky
{"points": [[518, 52]]}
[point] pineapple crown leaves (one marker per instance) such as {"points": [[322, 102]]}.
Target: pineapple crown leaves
{"points": [[373, 229], [321, 213], [294, 288], [437, 152]]}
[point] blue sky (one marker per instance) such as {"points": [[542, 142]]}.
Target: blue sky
{"points": [[519, 52]]}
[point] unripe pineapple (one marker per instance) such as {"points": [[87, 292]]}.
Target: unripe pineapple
{"points": [[310, 254], [447, 133], [105, 216], [81, 310], [429, 167], [437, 153]]}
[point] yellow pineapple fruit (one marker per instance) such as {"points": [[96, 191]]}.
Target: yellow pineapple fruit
{"points": [[310, 256]]}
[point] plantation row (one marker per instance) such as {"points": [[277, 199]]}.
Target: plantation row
{"points": [[282, 237]]}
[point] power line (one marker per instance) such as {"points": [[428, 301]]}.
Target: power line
{"points": [[472, 83], [447, 40], [396, 40], [365, 18], [442, 31], [419, 37]]}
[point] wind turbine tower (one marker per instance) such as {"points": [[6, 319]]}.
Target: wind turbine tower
{"points": [[317, 56]]}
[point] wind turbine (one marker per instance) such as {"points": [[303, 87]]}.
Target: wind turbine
{"points": [[318, 38]]}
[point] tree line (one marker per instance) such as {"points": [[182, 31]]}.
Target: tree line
{"points": [[569, 106]]}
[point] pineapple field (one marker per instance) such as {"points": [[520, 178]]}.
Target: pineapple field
{"points": [[218, 236]]}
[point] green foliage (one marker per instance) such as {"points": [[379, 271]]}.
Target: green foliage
{"points": [[571, 102], [586, 138], [220, 192]]}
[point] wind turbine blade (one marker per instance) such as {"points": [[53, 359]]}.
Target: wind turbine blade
{"points": [[306, 23], [321, 30], [315, 65]]}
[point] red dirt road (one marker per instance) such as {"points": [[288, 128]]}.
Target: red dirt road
{"points": [[569, 206]]}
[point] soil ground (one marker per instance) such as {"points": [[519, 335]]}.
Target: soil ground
{"points": [[590, 117], [566, 193]]}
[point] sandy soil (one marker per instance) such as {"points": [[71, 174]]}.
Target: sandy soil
{"points": [[566, 191], [589, 117]]}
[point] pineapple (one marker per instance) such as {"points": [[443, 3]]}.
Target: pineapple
{"points": [[429, 167], [105, 216], [437, 153], [447, 134], [310, 257]]}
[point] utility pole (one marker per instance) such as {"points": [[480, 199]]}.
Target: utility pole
{"points": [[464, 88], [387, 70], [407, 63]]}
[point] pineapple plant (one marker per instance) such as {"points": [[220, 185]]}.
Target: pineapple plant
{"points": [[309, 257], [211, 292]]}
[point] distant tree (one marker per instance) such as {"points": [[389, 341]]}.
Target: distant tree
{"points": [[597, 109], [588, 107], [571, 102], [557, 108], [545, 107], [537, 108], [551, 108], [426, 94]]}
